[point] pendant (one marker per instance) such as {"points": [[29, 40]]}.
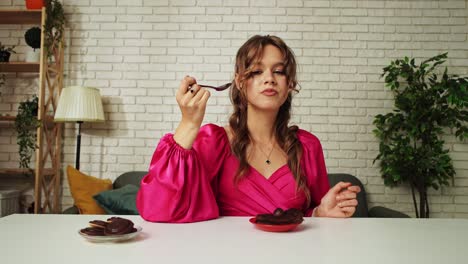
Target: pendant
{"points": [[268, 161]]}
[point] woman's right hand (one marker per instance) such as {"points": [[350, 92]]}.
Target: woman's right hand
{"points": [[192, 100], [340, 201]]}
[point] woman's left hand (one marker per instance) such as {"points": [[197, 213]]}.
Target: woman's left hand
{"points": [[340, 201]]}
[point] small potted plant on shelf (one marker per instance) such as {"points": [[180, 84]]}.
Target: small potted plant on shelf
{"points": [[5, 52], [33, 39], [26, 123], [34, 4]]}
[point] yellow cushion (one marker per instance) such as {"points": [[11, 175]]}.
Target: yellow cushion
{"points": [[83, 187]]}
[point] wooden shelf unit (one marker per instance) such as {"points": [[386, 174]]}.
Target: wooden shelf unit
{"points": [[46, 180], [8, 118]]}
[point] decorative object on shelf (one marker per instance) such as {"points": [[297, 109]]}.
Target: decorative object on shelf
{"points": [[53, 27], [33, 39], [411, 145], [34, 4], [26, 123], [79, 104], [5, 52]]}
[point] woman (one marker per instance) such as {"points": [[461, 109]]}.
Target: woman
{"points": [[251, 166]]}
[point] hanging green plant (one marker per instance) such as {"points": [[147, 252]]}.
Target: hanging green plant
{"points": [[54, 26], [411, 146], [26, 123]]}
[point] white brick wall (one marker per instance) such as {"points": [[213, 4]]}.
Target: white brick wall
{"points": [[137, 51]]}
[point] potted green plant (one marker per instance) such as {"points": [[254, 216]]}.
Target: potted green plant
{"points": [[5, 52], [33, 39], [411, 136], [26, 123], [54, 27]]}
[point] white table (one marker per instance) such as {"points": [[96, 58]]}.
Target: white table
{"points": [[54, 239]]}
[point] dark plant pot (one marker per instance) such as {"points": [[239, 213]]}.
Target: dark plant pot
{"points": [[33, 105], [34, 4], [4, 56], [35, 110]]}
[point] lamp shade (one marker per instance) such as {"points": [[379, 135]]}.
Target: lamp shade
{"points": [[78, 103]]}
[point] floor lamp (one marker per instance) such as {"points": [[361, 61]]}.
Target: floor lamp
{"points": [[79, 104]]}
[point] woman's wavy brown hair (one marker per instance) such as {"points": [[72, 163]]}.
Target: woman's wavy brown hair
{"points": [[248, 55]]}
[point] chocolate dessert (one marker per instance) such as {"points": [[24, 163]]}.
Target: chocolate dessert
{"points": [[113, 226], [93, 231], [119, 226], [281, 217], [98, 223]]}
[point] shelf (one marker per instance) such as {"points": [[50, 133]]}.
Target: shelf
{"points": [[20, 16], [28, 172], [48, 119], [8, 118], [19, 66]]}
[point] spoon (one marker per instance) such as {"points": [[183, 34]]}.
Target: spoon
{"points": [[217, 88]]}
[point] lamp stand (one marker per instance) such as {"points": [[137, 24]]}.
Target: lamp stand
{"points": [[78, 145]]}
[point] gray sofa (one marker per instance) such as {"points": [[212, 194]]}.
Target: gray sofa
{"points": [[134, 177]]}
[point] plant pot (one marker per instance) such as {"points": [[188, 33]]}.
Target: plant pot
{"points": [[34, 4], [33, 55], [4, 56], [36, 109]]}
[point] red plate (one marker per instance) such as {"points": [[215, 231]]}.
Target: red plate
{"points": [[273, 228]]}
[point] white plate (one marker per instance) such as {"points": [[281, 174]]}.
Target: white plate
{"points": [[116, 238]]}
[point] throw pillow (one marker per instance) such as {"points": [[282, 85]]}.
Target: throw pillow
{"points": [[83, 187], [121, 201]]}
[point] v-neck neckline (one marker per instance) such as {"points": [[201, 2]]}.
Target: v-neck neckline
{"points": [[273, 176], [277, 173]]}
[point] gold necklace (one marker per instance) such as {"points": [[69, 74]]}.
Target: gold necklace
{"points": [[267, 161]]}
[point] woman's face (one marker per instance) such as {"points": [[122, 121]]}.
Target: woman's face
{"points": [[267, 89]]}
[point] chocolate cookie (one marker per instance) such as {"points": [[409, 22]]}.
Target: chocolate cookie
{"points": [[119, 226], [98, 223], [93, 231], [113, 218], [113, 226]]}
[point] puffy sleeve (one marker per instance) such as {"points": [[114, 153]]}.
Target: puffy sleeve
{"points": [[180, 186], [313, 165]]}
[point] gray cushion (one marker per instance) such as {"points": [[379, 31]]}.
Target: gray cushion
{"points": [[131, 177]]}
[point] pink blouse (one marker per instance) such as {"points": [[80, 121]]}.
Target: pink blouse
{"points": [[197, 184]]}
